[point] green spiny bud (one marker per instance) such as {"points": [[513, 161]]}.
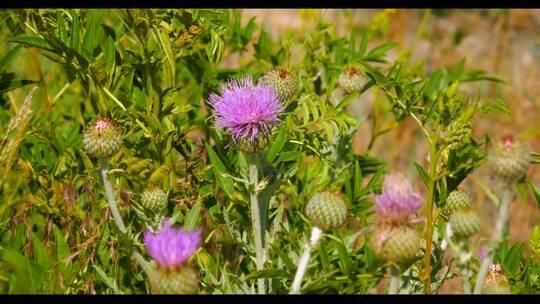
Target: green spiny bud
{"points": [[464, 222], [284, 82], [102, 139], [398, 244], [154, 200], [327, 210], [457, 199], [352, 79], [496, 282], [510, 159], [184, 280]]}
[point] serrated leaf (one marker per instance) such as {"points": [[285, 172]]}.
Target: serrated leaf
{"points": [[219, 170]]}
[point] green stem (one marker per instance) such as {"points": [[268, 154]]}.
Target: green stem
{"points": [[496, 239], [256, 220], [104, 164], [429, 212], [394, 280]]}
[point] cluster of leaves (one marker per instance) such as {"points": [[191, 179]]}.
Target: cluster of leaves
{"points": [[152, 71]]}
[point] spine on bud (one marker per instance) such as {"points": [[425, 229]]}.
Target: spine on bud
{"points": [[327, 210]]}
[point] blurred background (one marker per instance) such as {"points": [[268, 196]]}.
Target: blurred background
{"points": [[503, 42]]}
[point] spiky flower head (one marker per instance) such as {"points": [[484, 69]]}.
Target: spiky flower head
{"points": [[284, 82], [102, 139], [509, 159], [248, 112], [398, 201], [327, 210], [456, 200], [398, 244], [464, 222], [351, 79], [171, 247], [154, 200], [496, 282]]}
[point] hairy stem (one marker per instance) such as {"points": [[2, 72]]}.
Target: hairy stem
{"points": [[495, 239], [256, 220], [304, 260], [394, 280], [104, 164]]}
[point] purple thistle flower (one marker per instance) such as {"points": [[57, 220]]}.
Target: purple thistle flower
{"points": [[398, 200], [246, 109], [171, 247]]}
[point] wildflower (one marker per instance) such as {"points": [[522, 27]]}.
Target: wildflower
{"points": [[496, 282], [456, 200], [171, 247], [248, 112], [398, 201], [102, 139]]}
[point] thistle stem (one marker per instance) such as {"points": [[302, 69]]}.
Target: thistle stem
{"points": [[495, 239], [256, 220], [104, 164], [394, 280], [463, 258], [304, 260]]}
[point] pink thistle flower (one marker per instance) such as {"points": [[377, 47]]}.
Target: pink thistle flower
{"points": [[398, 200], [171, 247], [246, 110]]}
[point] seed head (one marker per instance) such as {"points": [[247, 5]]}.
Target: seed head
{"points": [[351, 79]]}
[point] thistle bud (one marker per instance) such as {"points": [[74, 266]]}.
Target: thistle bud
{"points": [[464, 222], [284, 82], [457, 199], [352, 79], [184, 280], [257, 145], [510, 159], [327, 210], [398, 244], [102, 139], [496, 282], [154, 200]]}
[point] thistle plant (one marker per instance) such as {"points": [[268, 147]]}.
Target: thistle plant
{"points": [[248, 112]]}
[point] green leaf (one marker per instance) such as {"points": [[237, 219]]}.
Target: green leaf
{"points": [[107, 279], [33, 41], [62, 252], [278, 143], [61, 25], [535, 192], [323, 253], [193, 217], [40, 252], [74, 38], [363, 44], [90, 40], [489, 193], [24, 282], [8, 57], [6, 86], [380, 51], [219, 169], [423, 174]]}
